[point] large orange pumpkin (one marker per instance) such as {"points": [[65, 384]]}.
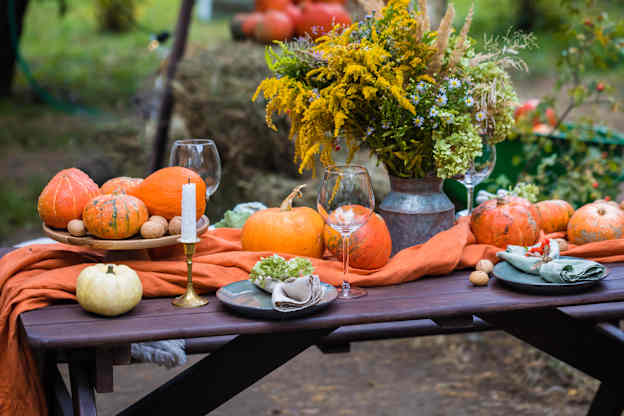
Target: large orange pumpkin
{"points": [[65, 196], [162, 191], [553, 215], [596, 222], [369, 246], [500, 222], [120, 185], [285, 229], [518, 200], [275, 25], [319, 18], [114, 216]]}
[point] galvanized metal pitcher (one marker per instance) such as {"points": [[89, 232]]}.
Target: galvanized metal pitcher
{"points": [[415, 210]]}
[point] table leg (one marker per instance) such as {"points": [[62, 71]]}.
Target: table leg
{"points": [[577, 343], [224, 373], [608, 401], [83, 396]]}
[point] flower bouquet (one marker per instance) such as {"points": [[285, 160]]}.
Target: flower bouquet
{"points": [[419, 99]]}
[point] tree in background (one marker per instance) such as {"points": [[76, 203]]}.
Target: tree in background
{"points": [[11, 23]]}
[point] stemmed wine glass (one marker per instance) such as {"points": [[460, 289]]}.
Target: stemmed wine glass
{"points": [[480, 169], [201, 156], [346, 202]]}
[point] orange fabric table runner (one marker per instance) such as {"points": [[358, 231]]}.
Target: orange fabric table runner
{"points": [[38, 275]]}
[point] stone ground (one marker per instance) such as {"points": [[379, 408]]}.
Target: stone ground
{"points": [[484, 374]]}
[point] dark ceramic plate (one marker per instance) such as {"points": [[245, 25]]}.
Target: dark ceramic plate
{"points": [[517, 279], [247, 299]]}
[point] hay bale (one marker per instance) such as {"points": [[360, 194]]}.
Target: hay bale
{"points": [[213, 91]]}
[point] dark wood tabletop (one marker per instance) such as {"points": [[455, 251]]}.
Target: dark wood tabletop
{"points": [[68, 326]]}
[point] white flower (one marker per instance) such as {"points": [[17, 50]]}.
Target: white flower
{"points": [[421, 86], [441, 100], [454, 83], [418, 121], [481, 116], [415, 99], [469, 101], [433, 112]]}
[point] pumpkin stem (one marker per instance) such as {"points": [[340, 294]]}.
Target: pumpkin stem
{"points": [[601, 211], [287, 202], [500, 201], [110, 269]]}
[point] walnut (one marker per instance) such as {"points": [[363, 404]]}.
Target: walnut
{"points": [[175, 225], [152, 229], [76, 228], [478, 278], [484, 265]]}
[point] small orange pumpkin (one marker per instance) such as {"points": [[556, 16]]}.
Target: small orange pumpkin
{"points": [[500, 222], [554, 215], [65, 196], [369, 246], [162, 191], [114, 217], [285, 229], [596, 222], [120, 185]]}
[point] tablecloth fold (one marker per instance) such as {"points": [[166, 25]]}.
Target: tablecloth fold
{"points": [[38, 275]]}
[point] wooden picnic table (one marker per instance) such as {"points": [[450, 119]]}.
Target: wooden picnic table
{"points": [[580, 329]]}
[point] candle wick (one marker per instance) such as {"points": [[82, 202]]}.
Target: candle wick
{"points": [[189, 179]]}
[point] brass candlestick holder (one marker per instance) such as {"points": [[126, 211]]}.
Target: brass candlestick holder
{"points": [[190, 299]]}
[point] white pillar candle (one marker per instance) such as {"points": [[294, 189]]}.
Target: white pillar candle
{"points": [[189, 221]]}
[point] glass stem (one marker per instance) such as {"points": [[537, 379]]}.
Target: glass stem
{"points": [[470, 189], [345, 264]]}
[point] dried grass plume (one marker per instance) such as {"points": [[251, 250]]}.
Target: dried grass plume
{"points": [[444, 31]]}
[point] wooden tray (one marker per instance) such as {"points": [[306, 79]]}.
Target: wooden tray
{"points": [[136, 243]]}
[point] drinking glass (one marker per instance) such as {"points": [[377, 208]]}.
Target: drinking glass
{"points": [[346, 201], [480, 169], [201, 156]]}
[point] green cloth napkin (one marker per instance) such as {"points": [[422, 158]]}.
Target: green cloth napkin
{"points": [[571, 270], [516, 256], [557, 270]]}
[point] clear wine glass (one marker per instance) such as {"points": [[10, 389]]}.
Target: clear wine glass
{"points": [[346, 202], [480, 168], [201, 156]]}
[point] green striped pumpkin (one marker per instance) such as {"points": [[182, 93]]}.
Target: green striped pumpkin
{"points": [[114, 217]]}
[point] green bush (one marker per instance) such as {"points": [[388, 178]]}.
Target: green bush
{"points": [[115, 15]]}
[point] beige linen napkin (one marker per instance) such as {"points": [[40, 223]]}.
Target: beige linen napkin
{"points": [[297, 293]]}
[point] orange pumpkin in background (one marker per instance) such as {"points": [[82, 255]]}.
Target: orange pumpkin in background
{"points": [[275, 25], [598, 221], [501, 222], [319, 18], [65, 196], [162, 191], [266, 5], [370, 245], [250, 22], [294, 12], [554, 215], [297, 231], [120, 185], [114, 216]]}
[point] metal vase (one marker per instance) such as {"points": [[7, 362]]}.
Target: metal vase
{"points": [[415, 210]]}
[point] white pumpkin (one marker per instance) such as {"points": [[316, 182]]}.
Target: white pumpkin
{"points": [[108, 289]]}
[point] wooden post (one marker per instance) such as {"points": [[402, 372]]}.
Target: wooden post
{"points": [[166, 104], [11, 23]]}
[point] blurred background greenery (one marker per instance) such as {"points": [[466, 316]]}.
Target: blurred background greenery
{"points": [[105, 79]]}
